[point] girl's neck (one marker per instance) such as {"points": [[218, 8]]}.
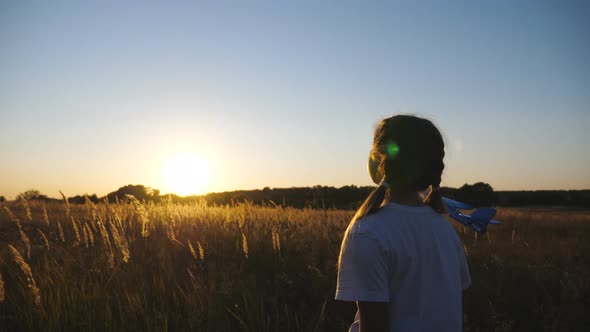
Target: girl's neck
{"points": [[404, 197]]}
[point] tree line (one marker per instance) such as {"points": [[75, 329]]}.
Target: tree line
{"points": [[327, 197]]}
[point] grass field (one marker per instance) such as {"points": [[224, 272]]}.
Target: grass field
{"points": [[170, 267]]}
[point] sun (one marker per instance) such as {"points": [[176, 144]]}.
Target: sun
{"points": [[186, 174]]}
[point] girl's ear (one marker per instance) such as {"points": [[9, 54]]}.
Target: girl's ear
{"points": [[373, 166]]}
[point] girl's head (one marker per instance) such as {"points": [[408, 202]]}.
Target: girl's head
{"points": [[407, 154]]}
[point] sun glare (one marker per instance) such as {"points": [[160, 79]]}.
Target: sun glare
{"points": [[186, 174]]}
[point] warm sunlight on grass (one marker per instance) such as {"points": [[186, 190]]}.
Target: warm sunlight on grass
{"points": [[186, 174]]}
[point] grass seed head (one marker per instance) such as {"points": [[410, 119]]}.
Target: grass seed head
{"points": [[91, 206], [76, 232], [90, 234], [276, 242], [60, 230], [142, 213], [26, 270], [201, 251], [85, 236], [11, 215], [66, 202], [245, 245], [120, 242], [26, 240], [45, 215], [43, 238], [25, 205], [192, 250], [107, 242]]}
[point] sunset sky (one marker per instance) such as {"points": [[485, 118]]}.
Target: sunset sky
{"points": [[287, 93]]}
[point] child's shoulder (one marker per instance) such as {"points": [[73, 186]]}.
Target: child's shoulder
{"points": [[374, 222], [391, 216]]}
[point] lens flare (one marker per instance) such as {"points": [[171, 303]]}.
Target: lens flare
{"points": [[392, 150], [459, 146]]}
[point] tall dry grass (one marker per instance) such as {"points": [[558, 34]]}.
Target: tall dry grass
{"points": [[158, 267]]}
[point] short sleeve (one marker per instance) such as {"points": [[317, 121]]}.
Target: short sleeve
{"points": [[363, 273]]}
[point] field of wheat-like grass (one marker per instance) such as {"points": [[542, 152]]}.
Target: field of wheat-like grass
{"points": [[133, 266]]}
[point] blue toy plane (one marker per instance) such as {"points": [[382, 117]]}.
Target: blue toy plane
{"points": [[477, 221]]}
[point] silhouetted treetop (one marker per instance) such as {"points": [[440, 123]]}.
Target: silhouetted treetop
{"points": [[139, 191], [32, 194]]}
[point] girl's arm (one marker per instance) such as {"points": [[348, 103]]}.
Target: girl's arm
{"points": [[363, 277], [374, 316]]}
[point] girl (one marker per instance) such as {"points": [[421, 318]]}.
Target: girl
{"points": [[401, 260]]}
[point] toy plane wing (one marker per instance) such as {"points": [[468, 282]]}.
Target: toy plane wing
{"points": [[457, 204], [477, 221]]}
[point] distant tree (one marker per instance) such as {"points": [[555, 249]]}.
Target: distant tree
{"points": [[2, 199], [482, 187], [27, 195], [138, 191], [478, 194], [81, 199], [32, 194]]}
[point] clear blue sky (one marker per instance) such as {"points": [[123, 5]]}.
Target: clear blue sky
{"points": [[287, 93]]}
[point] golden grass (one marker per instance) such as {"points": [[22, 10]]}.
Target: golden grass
{"points": [[267, 268]]}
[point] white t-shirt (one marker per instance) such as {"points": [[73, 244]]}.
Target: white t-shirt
{"points": [[410, 257]]}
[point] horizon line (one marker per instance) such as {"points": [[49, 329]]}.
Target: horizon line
{"points": [[270, 188]]}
